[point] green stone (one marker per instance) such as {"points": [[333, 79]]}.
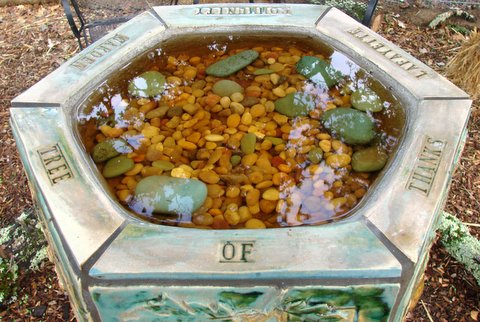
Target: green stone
{"points": [[295, 104], [369, 160], [148, 84], [349, 125], [169, 195], [318, 70], [226, 87], [263, 71], [110, 148], [117, 166], [366, 100], [274, 140], [315, 155], [232, 64], [235, 159], [163, 164], [247, 144]]}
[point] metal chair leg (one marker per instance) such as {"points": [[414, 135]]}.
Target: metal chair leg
{"points": [[367, 19]]}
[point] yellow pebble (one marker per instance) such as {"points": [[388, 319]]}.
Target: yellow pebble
{"points": [[338, 160], [136, 170], [325, 145], [254, 223], [124, 195], [278, 91], [225, 101], [257, 110], [214, 138], [232, 217], [246, 118], [244, 213], [237, 97], [274, 78], [233, 120], [210, 145], [232, 191], [187, 145], [180, 173], [209, 176], [271, 194]]}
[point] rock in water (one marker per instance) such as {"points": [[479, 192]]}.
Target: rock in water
{"points": [[226, 87], [295, 104], [232, 64], [318, 70], [349, 125], [148, 84], [369, 160], [168, 195], [110, 148], [117, 166], [365, 99]]}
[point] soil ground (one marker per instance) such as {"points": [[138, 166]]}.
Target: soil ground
{"points": [[35, 40]]}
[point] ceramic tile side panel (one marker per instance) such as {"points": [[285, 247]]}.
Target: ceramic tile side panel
{"points": [[315, 303]]}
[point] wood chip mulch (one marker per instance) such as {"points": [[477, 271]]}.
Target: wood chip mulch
{"points": [[35, 40]]}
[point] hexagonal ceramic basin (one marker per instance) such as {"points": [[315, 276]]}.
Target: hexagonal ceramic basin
{"points": [[118, 267]]}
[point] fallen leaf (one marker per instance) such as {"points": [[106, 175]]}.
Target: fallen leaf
{"points": [[474, 315], [377, 22]]}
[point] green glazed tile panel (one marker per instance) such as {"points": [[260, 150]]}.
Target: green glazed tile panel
{"points": [[334, 303]]}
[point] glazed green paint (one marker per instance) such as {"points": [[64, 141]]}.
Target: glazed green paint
{"points": [[369, 160], [117, 166], [295, 104], [226, 87], [318, 70], [168, 195], [148, 84], [232, 64], [333, 303], [110, 148], [349, 125], [366, 100]]}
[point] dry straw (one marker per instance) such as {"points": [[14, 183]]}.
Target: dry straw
{"points": [[464, 68]]}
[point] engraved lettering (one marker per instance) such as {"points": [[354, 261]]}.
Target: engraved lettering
{"points": [[426, 166], [228, 251], [237, 251], [407, 66], [99, 51], [55, 165], [376, 43], [399, 60], [238, 11], [61, 178], [246, 250]]}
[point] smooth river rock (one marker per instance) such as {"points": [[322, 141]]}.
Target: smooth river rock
{"points": [[169, 195], [365, 99], [369, 160], [226, 87], [232, 64], [318, 70], [117, 166], [349, 125], [148, 84], [110, 148], [295, 104]]}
